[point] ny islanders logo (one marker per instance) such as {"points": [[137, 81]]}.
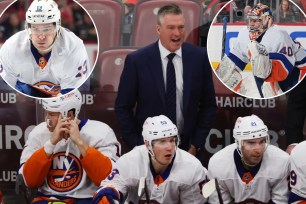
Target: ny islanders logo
{"points": [[65, 173], [48, 87]]}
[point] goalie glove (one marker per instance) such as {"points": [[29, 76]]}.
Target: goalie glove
{"points": [[259, 58], [229, 73], [107, 195]]}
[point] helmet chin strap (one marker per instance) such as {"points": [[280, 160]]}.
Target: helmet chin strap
{"points": [[48, 123], [243, 161], [153, 155]]}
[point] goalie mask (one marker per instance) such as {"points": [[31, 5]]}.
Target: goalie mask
{"points": [[64, 104], [250, 127], [158, 127], [259, 20]]}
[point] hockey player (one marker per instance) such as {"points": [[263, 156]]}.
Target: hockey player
{"points": [[66, 158], [45, 59], [276, 59], [298, 174], [250, 170], [171, 174]]}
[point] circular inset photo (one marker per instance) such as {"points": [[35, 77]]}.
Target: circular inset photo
{"points": [[258, 50], [48, 47]]}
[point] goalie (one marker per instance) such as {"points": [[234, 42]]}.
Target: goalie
{"points": [[277, 61]]}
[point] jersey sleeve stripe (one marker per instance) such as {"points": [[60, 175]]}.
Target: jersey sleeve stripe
{"points": [[283, 59], [278, 72], [295, 198], [239, 63], [301, 63]]}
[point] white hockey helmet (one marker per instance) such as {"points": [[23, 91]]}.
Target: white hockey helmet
{"points": [[250, 127], [64, 104], [43, 12], [158, 127], [263, 15]]}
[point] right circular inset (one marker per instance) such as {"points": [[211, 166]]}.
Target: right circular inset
{"points": [[258, 50]]}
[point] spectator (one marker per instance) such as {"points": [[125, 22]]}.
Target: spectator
{"points": [[182, 89], [86, 31], [286, 14], [13, 25], [129, 6]]}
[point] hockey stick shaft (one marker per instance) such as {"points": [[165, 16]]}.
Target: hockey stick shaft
{"points": [[218, 192], [224, 36], [146, 193]]}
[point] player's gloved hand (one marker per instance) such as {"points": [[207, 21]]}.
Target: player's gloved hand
{"points": [[259, 58], [107, 195]]}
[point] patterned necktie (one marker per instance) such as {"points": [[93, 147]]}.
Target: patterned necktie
{"points": [[171, 89]]}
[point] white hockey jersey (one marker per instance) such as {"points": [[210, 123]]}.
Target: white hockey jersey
{"points": [[262, 184], [285, 54], [67, 68], [298, 174], [183, 184], [66, 176]]}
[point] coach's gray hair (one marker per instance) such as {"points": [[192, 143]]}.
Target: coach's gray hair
{"points": [[168, 9]]}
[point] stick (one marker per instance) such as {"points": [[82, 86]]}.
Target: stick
{"points": [[142, 188], [218, 192], [211, 187], [224, 36]]}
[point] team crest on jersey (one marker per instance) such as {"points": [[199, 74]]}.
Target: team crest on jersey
{"points": [[247, 177], [48, 87], [65, 173]]}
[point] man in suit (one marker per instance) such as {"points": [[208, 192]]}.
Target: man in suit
{"points": [[147, 83]]}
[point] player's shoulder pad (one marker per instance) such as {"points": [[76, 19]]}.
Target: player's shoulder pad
{"points": [[297, 154]]}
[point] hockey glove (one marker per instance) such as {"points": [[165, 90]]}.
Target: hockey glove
{"points": [[107, 195], [259, 58]]}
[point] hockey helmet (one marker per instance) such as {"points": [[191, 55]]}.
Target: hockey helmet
{"points": [[64, 104], [262, 15], [43, 12], [158, 127], [250, 127]]}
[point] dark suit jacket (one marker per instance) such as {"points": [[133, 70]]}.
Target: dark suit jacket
{"points": [[142, 85]]}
